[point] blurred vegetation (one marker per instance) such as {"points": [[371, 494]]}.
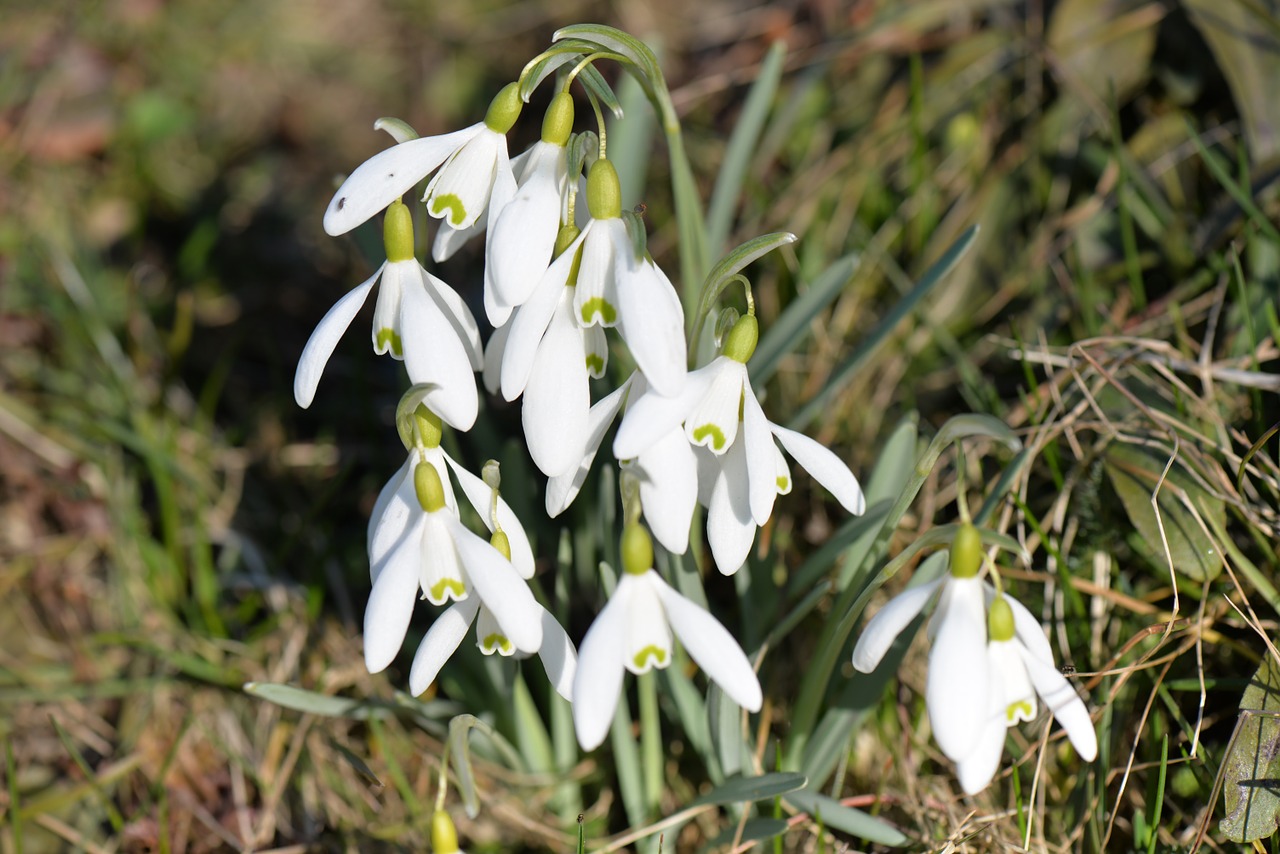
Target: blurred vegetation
{"points": [[171, 526]]}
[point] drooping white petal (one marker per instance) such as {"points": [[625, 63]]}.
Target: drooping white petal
{"points": [[956, 687], [500, 588], [402, 507], [782, 472], [387, 176], [460, 190], [440, 643], [596, 299], [762, 464], [668, 474], [651, 321], [708, 474], [883, 629], [557, 398], [454, 309], [558, 656], [386, 617], [493, 353], [596, 348], [825, 467], [598, 680], [1027, 628], [976, 770], [713, 422], [400, 516], [650, 416], [709, 644], [648, 643], [449, 239], [563, 489], [1061, 699], [435, 355], [524, 235], [531, 322], [490, 637], [730, 526], [479, 495], [323, 340], [441, 569], [1018, 698], [386, 334]]}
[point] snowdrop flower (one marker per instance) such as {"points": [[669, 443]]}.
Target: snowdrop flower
{"points": [[476, 176], [444, 836], [523, 236], [956, 689], [417, 318], [1016, 673], [667, 472], [633, 632], [744, 469], [437, 554], [549, 358]]}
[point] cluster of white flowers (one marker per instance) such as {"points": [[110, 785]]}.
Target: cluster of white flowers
{"points": [[988, 661], [553, 282]]}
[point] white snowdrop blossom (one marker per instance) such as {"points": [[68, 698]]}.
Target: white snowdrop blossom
{"points": [[1016, 674], [476, 176], [634, 632], [433, 551], [743, 471], [417, 318]]}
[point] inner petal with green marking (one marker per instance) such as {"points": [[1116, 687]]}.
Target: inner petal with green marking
{"points": [[451, 203], [595, 364], [388, 339], [710, 430], [1020, 710], [599, 306], [454, 586], [783, 483], [650, 652], [496, 643]]}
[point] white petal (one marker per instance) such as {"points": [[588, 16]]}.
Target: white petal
{"points": [[479, 494], [730, 527], [558, 656], [648, 642], [883, 629], [460, 191], [668, 473], [320, 346], [956, 687], [976, 770], [596, 299], [782, 472], [596, 348], [442, 575], [387, 176], [434, 354], [557, 398], [524, 236], [1018, 698], [825, 467], [563, 489], [440, 643], [713, 423], [455, 310], [449, 239], [761, 454], [490, 637], [386, 618], [530, 324], [651, 321], [398, 519], [402, 508], [598, 680], [709, 644], [1061, 699], [386, 334], [500, 588], [650, 416], [493, 353]]}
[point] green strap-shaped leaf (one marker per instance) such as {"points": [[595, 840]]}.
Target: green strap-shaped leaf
{"points": [[847, 819], [1251, 770], [325, 705], [739, 789]]}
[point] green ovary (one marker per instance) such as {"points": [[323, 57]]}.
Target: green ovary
{"points": [[600, 306], [716, 434], [453, 585], [389, 340], [495, 643], [658, 655], [1019, 709], [450, 202]]}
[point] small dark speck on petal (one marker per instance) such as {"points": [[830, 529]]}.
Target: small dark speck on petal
{"points": [[342, 202], [391, 174]]}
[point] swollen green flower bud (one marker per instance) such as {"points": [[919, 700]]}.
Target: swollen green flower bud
{"points": [[426, 483], [742, 338], [444, 836], [430, 427], [397, 232], [558, 122], [637, 549], [504, 109], [500, 542], [966, 552], [1000, 620], [604, 192]]}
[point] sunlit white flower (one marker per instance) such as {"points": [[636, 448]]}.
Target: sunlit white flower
{"points": [[476, 169], [1015, 675], [743, 471], [417, 318], [434, 552], [634, 632]]}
